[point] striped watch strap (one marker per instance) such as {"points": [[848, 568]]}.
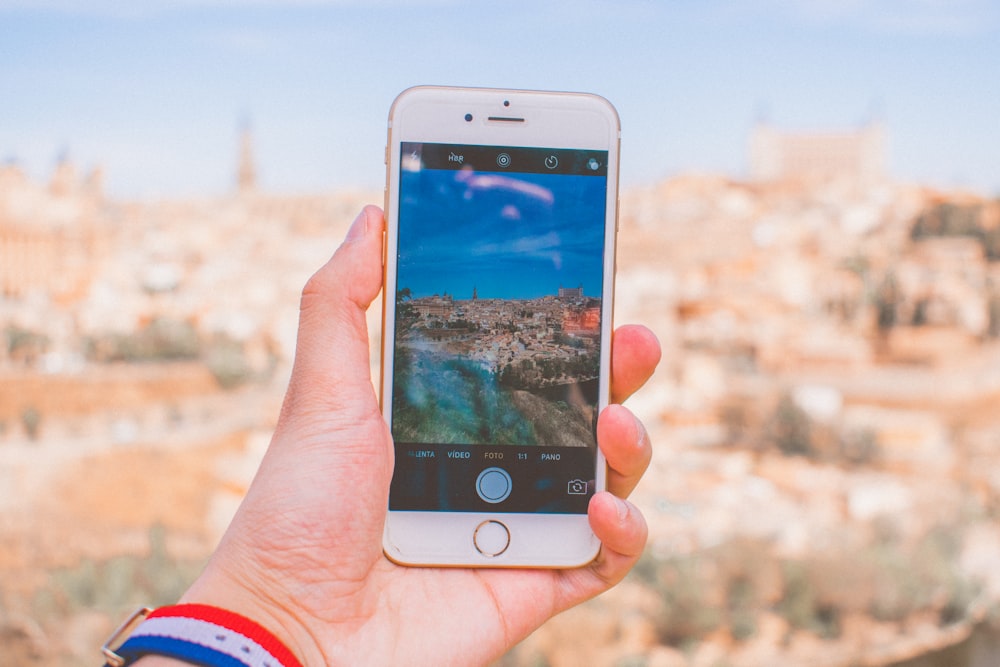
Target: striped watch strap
{"points": [[202, 635]]}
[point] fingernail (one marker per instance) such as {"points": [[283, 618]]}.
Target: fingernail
{"points": [[641, 433], [622, 508], [358, 228]]}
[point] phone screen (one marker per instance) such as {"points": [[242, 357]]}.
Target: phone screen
{"points": [[497, 335]]}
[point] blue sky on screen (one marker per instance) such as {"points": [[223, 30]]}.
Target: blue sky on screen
{"points": [[509, 236], [155, 91]]}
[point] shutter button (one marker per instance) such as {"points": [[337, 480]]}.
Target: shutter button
{"points": [[493, 485]]}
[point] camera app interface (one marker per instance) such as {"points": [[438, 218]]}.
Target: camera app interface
{"points": [[497, 330]]}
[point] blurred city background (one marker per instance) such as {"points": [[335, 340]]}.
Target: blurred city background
{"points": [[810, 221]]}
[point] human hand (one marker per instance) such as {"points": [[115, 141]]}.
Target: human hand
{"points": [[303, 555]]}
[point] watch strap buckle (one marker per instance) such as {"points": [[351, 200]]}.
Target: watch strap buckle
{"points": [[118, 637]]}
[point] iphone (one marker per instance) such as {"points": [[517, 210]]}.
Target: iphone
{"points": [[501, 213]]}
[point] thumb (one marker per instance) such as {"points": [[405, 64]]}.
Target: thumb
{"points": [[331, 370]]}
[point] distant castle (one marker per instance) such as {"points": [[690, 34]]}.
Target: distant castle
{"points": [[856, 157], [571, 292]]}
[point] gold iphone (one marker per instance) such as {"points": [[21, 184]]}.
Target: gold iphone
{"points": [[501, 212]]}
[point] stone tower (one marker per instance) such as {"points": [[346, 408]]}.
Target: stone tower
{"points": [[246, 175]]}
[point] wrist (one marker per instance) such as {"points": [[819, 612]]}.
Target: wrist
{"points": [[197, 634], [220, 590]]}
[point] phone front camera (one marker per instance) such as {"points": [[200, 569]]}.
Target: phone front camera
{"points": [[506, 103], [468, 118]]}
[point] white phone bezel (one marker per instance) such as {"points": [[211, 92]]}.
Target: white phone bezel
{"points": [[431, 114]]}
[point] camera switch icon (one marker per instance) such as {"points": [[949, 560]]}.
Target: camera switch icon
{"points": [[576, 487]]}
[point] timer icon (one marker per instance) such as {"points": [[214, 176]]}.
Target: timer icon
{"points": [[551, 162]]}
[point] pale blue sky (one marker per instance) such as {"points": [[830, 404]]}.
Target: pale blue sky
{"points": [[506, 241], [154, 91]]}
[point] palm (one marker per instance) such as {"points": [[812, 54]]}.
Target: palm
{"points": [[431, 616], [472, 614]]}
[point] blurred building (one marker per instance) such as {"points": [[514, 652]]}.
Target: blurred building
{"points": [[856, 157], [50, 237]]}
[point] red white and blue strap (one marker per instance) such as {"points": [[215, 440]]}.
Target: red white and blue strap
{"points": [[204, 635]]}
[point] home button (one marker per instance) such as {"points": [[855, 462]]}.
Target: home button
{"points": [[491, 538]]}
